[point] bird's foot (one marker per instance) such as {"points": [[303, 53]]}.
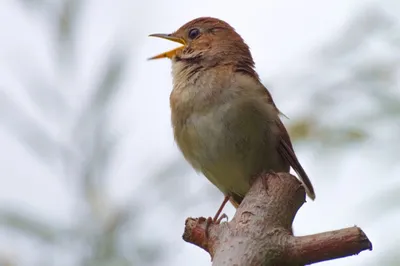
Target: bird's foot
{"points": [[215, 220], [223, 216]]}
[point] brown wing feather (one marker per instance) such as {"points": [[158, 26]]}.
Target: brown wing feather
{"points": [[285, 148]]}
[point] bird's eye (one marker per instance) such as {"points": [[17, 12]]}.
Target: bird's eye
{"points": [[193, 33]]}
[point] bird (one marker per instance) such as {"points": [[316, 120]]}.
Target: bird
{"points": [[224, 120]]}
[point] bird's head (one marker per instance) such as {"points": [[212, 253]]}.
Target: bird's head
{"points": [[208, 42]]}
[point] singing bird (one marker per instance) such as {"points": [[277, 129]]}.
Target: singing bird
{"points": [[224, 120]]}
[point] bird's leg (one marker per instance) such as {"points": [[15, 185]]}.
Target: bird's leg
{"points": [[217, 218]]}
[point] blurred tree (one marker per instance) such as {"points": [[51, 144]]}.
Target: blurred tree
{"points": [[360, 65], [363, 63], [85, 153]]}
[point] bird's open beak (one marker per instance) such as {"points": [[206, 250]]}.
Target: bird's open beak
{"points": [[170, 53]]}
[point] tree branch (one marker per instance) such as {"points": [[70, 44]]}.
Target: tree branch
{"points": [[260, 231]]}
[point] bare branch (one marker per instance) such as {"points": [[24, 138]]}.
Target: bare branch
{"points": [[260, 232]]}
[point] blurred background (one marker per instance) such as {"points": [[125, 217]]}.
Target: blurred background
{"points": [[89, 172]]}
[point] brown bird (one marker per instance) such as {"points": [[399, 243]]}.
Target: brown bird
{"points": [[225, 121]]}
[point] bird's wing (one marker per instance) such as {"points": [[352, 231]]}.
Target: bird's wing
{"points": [[285, 148]]}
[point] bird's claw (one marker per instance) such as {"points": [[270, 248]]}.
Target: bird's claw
{"points": [[209, 221], [223, 216], [215, 220]]}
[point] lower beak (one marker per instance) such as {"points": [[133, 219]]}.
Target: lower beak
{"points": [[170, 53]]}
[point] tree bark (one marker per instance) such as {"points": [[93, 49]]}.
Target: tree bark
{"points": [[260, 232]]}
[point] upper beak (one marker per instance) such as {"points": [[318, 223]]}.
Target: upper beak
{"points": [[170, 53]]}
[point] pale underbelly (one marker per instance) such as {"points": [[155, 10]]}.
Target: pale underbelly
{"points": [[230, 151]]}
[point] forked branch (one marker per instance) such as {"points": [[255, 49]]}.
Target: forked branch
{"points": [[260, 231]]}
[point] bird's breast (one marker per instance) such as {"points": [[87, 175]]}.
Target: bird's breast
{"points": [[228, 142]]}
